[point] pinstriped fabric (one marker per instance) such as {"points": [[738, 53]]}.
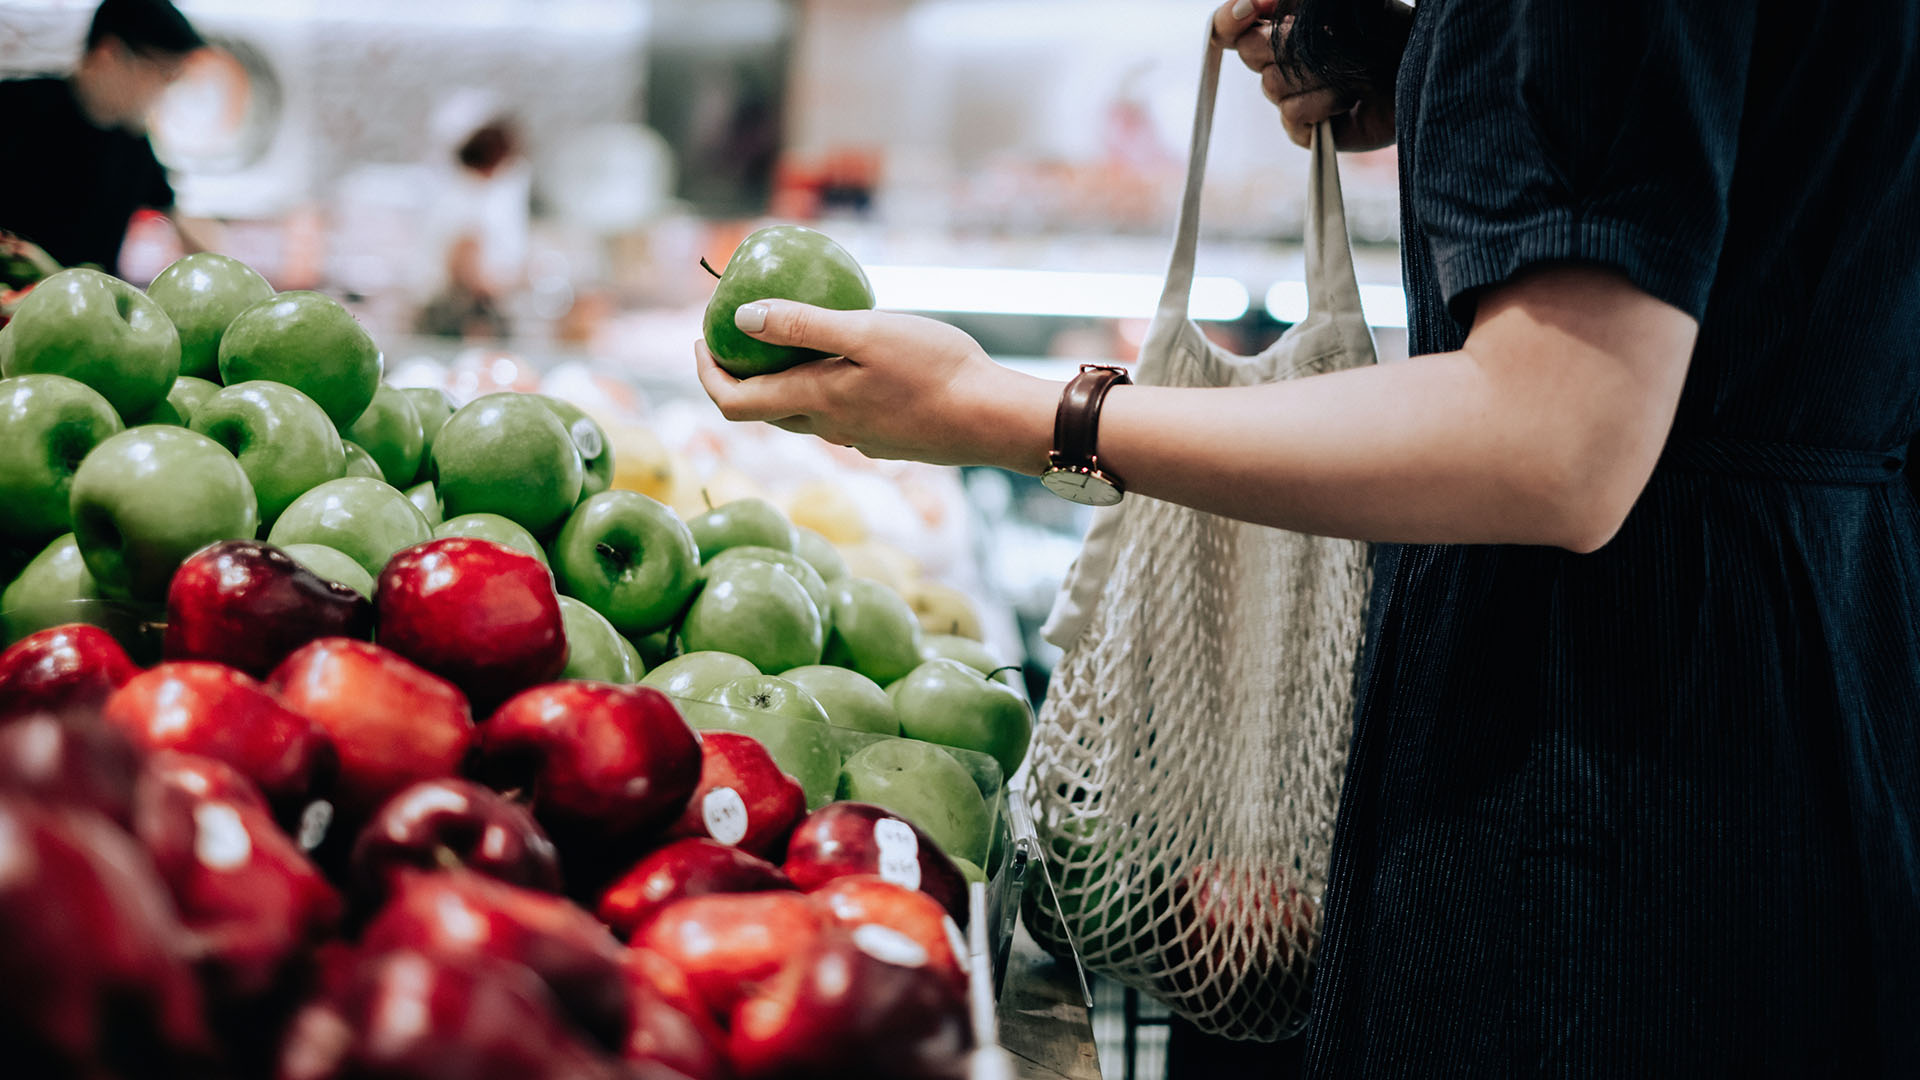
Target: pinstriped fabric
{"points": [[1655, 811]]}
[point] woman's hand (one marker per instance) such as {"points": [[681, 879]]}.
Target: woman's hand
{"points": [[896, 386], [1362, 122]]}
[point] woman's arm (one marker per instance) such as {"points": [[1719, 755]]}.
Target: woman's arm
{"points": [[1543, 429]]}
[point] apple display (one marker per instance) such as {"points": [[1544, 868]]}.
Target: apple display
{"points": [[743, 798], [248, 604], [311, 343], [802, 571], [280, 437], [390, 430], [692, 676], [72, 668], [475, 612], [201, 294], [147, 498], [786, 721], [851, 700], [870, 900], [925, 785], [629, 558], [217, 712], [332, 564], [758, 612], [359, 516], [51, 423], [437, 824], [52, 589], [98, 330], [780, 262], [820, 554], [596, 451], [947, 702], [871, 630], [508, 454], [846, 838], [695, 866], [728, 943], [595, 651], [495, 528], [742, 523]]}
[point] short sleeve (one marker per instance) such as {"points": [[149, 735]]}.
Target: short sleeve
{"points": [[1569, 131]]}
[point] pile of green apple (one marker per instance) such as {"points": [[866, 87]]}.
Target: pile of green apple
{"points": [[139, 427]]}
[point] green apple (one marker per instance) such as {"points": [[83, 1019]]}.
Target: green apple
{"points": [[758, 611], [969, 871], [947, 702], [655, 649], [851, 699], [280, 437], [360, 463], [925, 785], [311, 343], [495, 528], [596, 452], [871, 630], [692, 676], [508, 454], [972, 653], [635, 662], [187, 395], [48, 424], [150, 496], [100, 330], [788, 723], [819, 553], [363, 518], [432, 405], [45, 592], [391, 431], [801, 570], [770, 694], [202, 293], [427, 499], [594, 649], [630, 557], [332, 564], [783, 262], [742, 523]]}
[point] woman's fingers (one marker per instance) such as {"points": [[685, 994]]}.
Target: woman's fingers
{"points": [[1302, 111], [1232, 18], [783, 322], [781, 395]]}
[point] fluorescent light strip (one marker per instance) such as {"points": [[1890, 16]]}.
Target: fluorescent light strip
{"points": [[1383, 305], [954, 290]]}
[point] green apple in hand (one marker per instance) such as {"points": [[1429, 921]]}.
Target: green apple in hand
{"points": [[508, 454], [427, 499], [819, 553], [784, 262], [594, 649], [872, 631], [432, 405], [332, 564], [757, 611], [742, 523], [360, 463], [495, 528], [280, 437], [358, 516], [44, 593], [48, 424], [925, 785], [390, 430], [692, 676], [596, 452], [630, 558], [851, 699], [947, 702], [99, 330], [150, 496], [787, 722], [311, 343], [202, 293]]}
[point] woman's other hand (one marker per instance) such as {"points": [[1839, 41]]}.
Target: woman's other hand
{"points": [[1361, 121], [895, 386]]}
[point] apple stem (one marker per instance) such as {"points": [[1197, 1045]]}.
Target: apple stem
{"points": [[706, 498], [611, 554], [1007, 667], [445, 859], [709, 267]]}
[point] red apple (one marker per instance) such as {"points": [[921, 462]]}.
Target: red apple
{"points": [[407, 1015], [671, 1027], [447, 822], [846, 838], [239, 883], [684, 868], [70, 760], [459, 913], [87, 935], [598, 759], [1239, 939], [217, 712], [861, 1002], [478, 613], [861, 900], [743, 798], [247, 604], [65, 668], [392, 723], [728, 944]]}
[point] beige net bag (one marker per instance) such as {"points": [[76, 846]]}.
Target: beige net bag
{"points": [[1191, 749]]}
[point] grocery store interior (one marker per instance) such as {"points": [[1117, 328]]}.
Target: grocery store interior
{"points": [[1012, 166]]}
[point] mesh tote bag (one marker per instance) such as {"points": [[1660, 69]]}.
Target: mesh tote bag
{"points": [[1191, 748]]}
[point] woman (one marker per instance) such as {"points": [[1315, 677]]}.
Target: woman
{"points": [[1635, 785]]}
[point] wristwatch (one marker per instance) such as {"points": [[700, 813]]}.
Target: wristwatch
{"points": [[1074, 471]]}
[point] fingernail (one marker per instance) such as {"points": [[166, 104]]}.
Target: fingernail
{"points": [[751, 318], [1242, 8]]}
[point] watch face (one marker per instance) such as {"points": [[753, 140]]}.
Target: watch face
{"points": [[1081, 486]]}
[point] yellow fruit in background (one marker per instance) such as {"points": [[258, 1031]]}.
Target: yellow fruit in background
{"points": [[828, 510], [883, 563], [728, 484], [944, 609], [641, 462]]}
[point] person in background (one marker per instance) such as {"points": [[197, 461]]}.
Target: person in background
{"points": [[479, 225], [75, 162]]}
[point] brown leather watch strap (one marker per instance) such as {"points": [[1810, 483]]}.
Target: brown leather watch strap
{"points": [[1076, 424]]}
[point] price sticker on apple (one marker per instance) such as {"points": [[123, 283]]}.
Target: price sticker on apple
{"points": [[889, 946], [899, 852], [725, 813]]}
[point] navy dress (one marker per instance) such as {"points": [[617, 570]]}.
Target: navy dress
{"points": [[1655, 811]]}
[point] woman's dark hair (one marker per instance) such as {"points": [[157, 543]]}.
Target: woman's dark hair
{"points": [[486, 148], [1353, 46], [154, 27]]}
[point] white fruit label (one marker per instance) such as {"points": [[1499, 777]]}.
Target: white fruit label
{"points": [[889, 946], [586, 438], [955, 939], [220, 839], [899, 852], [725, 813]]}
